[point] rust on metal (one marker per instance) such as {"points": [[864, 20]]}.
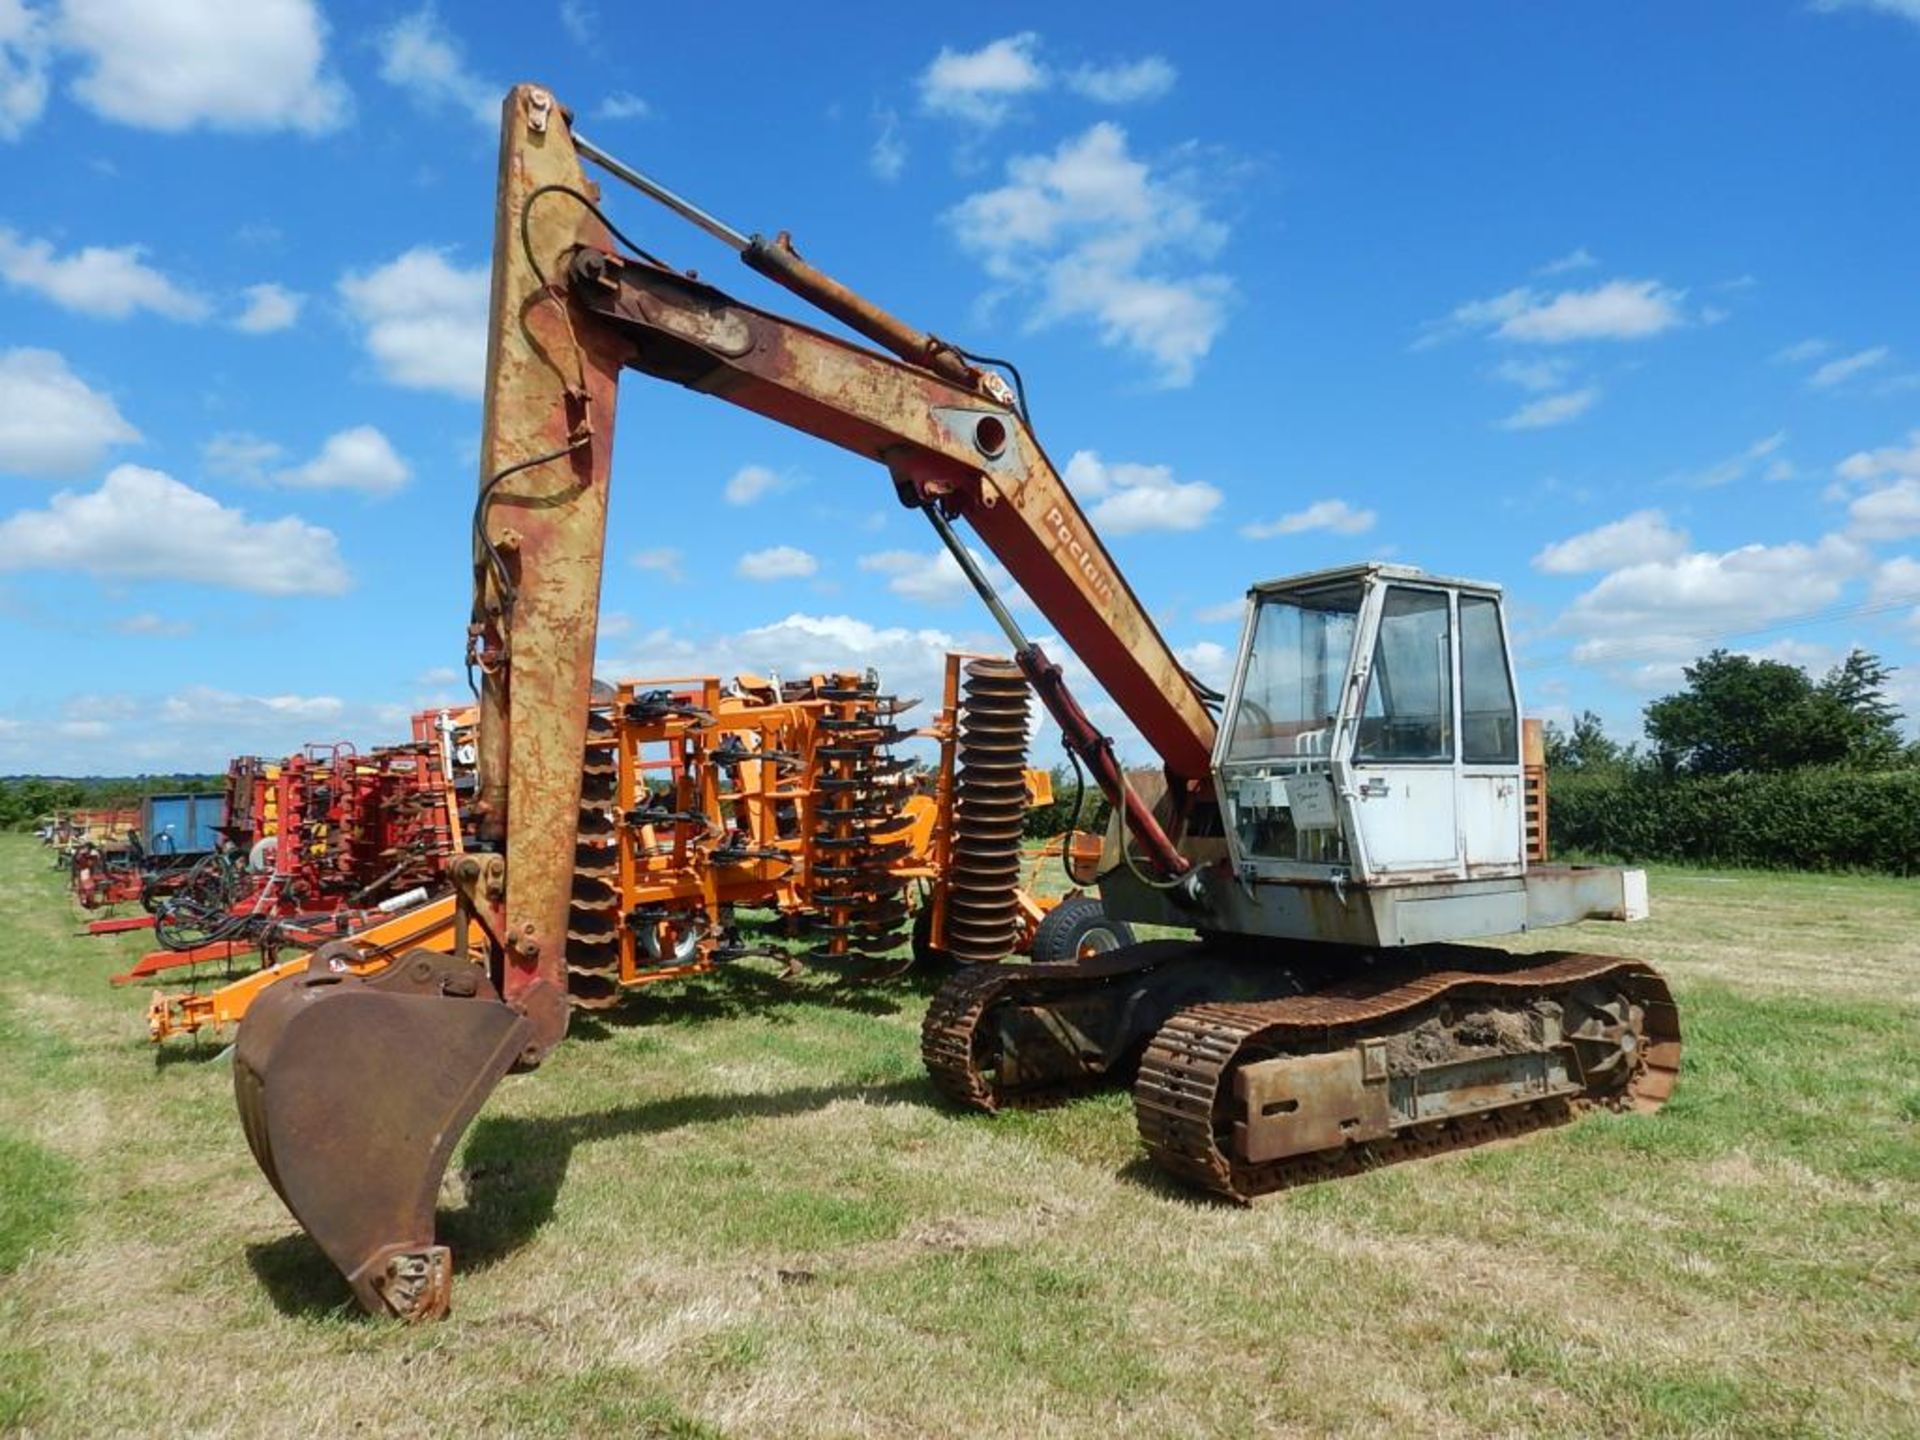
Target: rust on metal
{"points": [[957, 1042], [781, 263], [552, 376], [982, 922], [1308, 1103], [927, 429], [353, 1093], [1193, 1109], [354, 1090], [1211, 1066]]}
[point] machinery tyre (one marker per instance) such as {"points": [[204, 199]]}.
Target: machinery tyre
{"points": [[1076, 927]]}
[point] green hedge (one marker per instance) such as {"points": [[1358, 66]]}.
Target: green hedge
{"points": [[1812, 819]]}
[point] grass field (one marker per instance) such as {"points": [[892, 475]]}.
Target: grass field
{"points": [[735, 1209]]}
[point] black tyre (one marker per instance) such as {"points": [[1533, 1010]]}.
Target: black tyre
{"points": [[1075, 927]]}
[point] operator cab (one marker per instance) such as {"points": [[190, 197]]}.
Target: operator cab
{"points": [[1372, 732]]}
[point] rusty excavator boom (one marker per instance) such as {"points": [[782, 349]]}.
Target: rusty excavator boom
{"points": [[1327, 831]]}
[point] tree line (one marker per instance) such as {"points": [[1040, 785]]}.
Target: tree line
{"points": [[27, 799], [1752, 762]]}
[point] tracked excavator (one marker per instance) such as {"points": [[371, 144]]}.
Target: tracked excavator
{"points": [[1327, 835]]}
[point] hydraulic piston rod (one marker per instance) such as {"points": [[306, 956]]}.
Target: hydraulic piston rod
{"points": [[1092, 748], [781, 263]]}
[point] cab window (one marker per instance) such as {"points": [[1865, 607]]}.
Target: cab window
{"points": [[1489, 721], [1302, 644], [1407, 717]]}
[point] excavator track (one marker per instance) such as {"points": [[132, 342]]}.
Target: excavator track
{"points": [[1624, 1053], [1183, 1096], [950, 1035]]}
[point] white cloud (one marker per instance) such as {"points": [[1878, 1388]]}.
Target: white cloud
{"points": [[1736, 467], [1882, 511], [1836, 372], [663, 561], [1642, 536], [108, 283], [1334, 515], [144, 525], [194, 728], [239, 455], [1550, 410], [270, 307], [1895, 461], [84, 743], [888, 157], [1092, 233], [148, 623], [1538, 375], [1210, 663], [1889, 513], [1124, 82], [623, 105], [750, 482], [1801, 351], [423, 320], [984, 87], [184, 63], [418, 55], [1130, 498], [934, 577], [1617, 310], [1905, 9], [1897, 581], [777, 562], [437, 675], [51, 422], [204, 705], [1234, 610], [24, 43], [358, 459], [579, 20], [1659, 610], [981, 86], [1579, 258]]}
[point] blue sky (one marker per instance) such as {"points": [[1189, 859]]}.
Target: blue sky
{"points": [[1614, 303]]}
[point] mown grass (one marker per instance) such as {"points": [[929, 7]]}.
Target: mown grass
{"points": [[734, 1208]]}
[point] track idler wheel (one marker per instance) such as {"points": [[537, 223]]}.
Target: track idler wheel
{"points": [[353, 1092]]}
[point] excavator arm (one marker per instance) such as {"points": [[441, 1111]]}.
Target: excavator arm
{"points": [[354, 1089]]}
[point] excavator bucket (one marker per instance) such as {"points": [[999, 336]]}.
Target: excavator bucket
{"points": [[353, 1091]]}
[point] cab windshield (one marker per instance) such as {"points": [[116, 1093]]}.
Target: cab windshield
{"points": [[1302, 645]]}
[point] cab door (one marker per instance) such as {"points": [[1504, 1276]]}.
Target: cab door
{"points": [[1492, 792], [1401, 790]]}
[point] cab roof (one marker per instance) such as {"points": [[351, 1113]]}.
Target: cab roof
{"points": [[1364, 571]]}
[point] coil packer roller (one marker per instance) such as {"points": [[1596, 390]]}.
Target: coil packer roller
{"points": [[1322, 1017]]}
